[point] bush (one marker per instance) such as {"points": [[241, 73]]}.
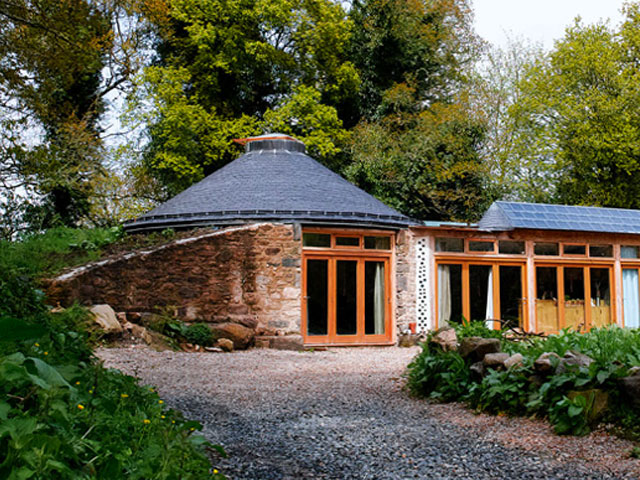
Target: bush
{"points": [[446, 376], [199, 334]]}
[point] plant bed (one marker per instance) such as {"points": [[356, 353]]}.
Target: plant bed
{"points": [[577, 381]]}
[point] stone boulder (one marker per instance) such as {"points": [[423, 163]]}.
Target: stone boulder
{"points": [[475, 348], [280, 342], [106, 318], [545, 363], [495, 361], [514, 361], [408, 340], [225, 344], [477, 372], [630, 387], [573, 360], [241, 336], [446, 338]]}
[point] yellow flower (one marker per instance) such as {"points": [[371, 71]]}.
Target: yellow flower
{"points": [[161, 416], [146, 420], [77, 383], [91, 392], [37, 344], [192, 429], [173, 421], [124, 395], [215, 471], [46, 353], [160, 402], [80, 407], [151, 389]]}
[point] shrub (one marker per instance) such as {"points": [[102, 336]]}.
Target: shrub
{"points": [[199, 334], [446, 376]]}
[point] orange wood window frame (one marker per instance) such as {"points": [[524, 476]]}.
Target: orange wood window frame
{"points": [[586, 269], [627, 264], [495, 265], [360, 255]]}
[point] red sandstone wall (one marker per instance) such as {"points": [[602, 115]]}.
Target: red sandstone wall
{"points": [[248, 275]]}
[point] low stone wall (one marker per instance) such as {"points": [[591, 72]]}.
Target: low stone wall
{"points": [[248, 275]]}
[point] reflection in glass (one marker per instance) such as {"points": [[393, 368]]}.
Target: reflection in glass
{"points": [[374, 295], [600, 297], [574, 314], [547, 299], [481, 292], [449, 294], [511, 306], [317, 297], [346, 297]]}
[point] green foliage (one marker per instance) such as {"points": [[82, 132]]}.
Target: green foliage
{"points": [[569, 398], [476, 329], [439, 375], [579, 105], [62, 415], [199, 334], [45, 254]]}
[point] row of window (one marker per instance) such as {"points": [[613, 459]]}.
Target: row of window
{"points": [[510, 247], [327, 240]]}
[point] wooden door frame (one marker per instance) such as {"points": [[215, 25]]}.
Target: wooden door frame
{"points": [[495, 265], [586, 269], [361, 258]]}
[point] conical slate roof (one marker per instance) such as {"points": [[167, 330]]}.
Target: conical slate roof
{"points": [[273, 181]]}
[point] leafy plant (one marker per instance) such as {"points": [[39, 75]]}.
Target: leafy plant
{"points": [[199, 334]]}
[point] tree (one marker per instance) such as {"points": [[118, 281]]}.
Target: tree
{"points": [[233, 68], [583, 103], [61, 63], [509, 137], [417, 145]]}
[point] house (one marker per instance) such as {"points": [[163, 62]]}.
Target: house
{"points": [[291, 254]]}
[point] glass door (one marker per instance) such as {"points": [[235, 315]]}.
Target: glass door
{"points": [[574, 299], [547, 309], [347, 300], [512, 297]]}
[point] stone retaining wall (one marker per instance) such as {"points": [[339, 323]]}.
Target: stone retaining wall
{"points": [[248, 275], [405, 280]]}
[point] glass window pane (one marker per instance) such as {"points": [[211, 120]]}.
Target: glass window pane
{"points": [[601, 250], [347, 241], [377, 243], [511, 304], [631, 297], [316, 240], [547, 299], [346, 297], [600, 298], [510, 247], [374, 298], [317, 297], [574, 299], [449, 294], [481, 292], [574, 249], [449, 245], [629, 252], [481, 246], [547, 249]]}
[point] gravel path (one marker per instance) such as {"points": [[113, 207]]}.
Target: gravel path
{"points": [[342, 414]]}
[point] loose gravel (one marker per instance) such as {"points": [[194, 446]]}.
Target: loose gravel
{"points": [[343, 414]]}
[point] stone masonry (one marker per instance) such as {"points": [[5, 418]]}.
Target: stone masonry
{"points": [[248, 275], [405, 280]]}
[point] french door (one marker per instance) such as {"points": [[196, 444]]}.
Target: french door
{"points": [[573, 296], [347, 300]]}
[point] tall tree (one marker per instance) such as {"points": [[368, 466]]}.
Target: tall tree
{"points": [[417, 144], [60, 63], [233, 68], [583, 103]]}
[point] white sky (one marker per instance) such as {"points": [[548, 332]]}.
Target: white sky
{"points": [[538, 20]]}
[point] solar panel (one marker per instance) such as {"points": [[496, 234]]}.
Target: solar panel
{"points": [[512, 215]]}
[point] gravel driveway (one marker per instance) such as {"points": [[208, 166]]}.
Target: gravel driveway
{"points": [[342, 414]]}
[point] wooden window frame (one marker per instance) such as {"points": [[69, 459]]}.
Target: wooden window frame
{"points": [[495, 265], [586, 268], [468, 251], [361, 255]]}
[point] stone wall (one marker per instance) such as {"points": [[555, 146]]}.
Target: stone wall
{"points": [[405, 280], [247, 275]]}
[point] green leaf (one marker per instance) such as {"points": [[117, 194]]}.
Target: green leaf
{"points": [[45, 376]]}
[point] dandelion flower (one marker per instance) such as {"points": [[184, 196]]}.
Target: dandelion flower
{"points": [[161, 416], [124, 395], [192, 429], [215, 471], [160, 402], [77, 383], [46, 353], [37, 344], [146, 420], [80, 407]]}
